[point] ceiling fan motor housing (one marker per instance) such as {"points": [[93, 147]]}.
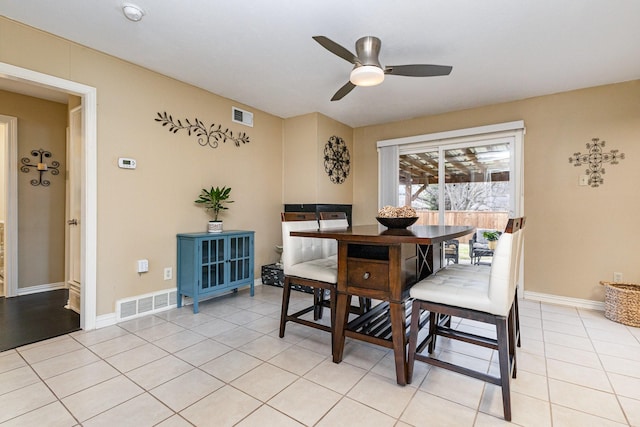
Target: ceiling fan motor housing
{"points": [[367, 51]]}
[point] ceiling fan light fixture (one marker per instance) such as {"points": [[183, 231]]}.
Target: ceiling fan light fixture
{"points": [[132, 12], [367, 75]]}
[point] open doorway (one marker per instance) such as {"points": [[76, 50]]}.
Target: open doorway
{"points": [[87, 173], [33, 305]]}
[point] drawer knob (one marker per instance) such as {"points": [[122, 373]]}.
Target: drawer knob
{"points": [[366, 275]]}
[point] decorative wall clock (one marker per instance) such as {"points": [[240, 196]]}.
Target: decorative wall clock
{"points": [[337, 162], [594, 160]]}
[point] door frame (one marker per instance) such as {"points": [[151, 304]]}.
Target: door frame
{"points": [[88, 178], [10, 209]]}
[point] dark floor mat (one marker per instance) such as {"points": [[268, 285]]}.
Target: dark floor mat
{"points": [[30, 318]]}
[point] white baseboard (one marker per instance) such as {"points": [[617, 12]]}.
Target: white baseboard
{"points": [[111, 319], [105, 320], [41, 288], [568, 301]]}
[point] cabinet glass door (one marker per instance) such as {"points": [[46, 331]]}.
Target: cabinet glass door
{"points": [[239, 257], [212, 263]]}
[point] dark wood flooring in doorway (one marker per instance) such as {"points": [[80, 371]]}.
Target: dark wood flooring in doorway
{"points": [[30, 318]]}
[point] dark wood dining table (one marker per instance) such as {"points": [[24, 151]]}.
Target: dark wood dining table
{"points": [[382, 264]]}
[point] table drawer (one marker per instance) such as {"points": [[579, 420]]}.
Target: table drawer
{"points": [[368, 274]]}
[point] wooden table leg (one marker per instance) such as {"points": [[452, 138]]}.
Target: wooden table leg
{"points": [[398, 328], [342, 313]]}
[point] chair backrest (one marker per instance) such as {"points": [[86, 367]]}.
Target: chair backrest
{"points": [[333, 215], [332, 220], [299, 249], [503, 275], [520, 245]]}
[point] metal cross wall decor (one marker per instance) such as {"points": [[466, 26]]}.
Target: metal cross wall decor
{"points": [[594, 159], [337, 162], [41, 167]]}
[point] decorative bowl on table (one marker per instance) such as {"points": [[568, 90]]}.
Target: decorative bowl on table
{"points": [[397, 222]]}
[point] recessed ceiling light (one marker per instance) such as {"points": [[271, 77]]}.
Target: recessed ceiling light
{"points": [[132, 12]]}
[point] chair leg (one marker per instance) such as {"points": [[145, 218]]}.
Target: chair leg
{"points": [[511, 328], [433, 327], [365, 304], [414, 330], [318, 298], [517, 318], [333, 294], [286, 295], [503, 356]]}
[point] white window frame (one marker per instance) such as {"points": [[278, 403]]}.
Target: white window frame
{"points": [[389, 151]]}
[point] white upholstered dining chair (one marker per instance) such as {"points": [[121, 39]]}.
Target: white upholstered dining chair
{"points": [[304, 263], [488, 299]]}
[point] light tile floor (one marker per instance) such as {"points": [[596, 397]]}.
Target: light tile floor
{"points": [[226, 366]]}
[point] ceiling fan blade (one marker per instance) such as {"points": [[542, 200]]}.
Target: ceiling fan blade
{"points": [[348, 87], [336, 49], [418, 70]]}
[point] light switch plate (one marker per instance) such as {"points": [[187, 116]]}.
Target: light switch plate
{"points": [[143, 265]]}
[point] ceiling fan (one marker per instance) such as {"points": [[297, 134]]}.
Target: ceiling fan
{"points": [[367, 70]]}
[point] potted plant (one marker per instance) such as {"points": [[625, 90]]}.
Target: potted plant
{"points": [[492, 238], [214, 200]]}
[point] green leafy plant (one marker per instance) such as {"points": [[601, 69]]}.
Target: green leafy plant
{"points": [[215, 199], [491, 236]]}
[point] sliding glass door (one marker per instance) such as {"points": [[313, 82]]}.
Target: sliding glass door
{"points": [[467, 182]]}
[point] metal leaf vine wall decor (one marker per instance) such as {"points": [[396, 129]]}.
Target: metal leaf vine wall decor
{"points": [[210, 136], [337, 162], [594, 160]]}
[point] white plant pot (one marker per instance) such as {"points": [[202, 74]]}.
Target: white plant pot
{"points": [[215, 227]]}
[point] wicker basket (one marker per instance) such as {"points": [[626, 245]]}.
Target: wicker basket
{"points": [[622, 302]]}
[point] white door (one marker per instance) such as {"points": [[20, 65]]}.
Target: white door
{"points": [[73, 248]]}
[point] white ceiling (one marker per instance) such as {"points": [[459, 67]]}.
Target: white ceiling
{"points": [[261, 53]]}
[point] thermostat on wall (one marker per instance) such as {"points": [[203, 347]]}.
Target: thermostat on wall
{"points": [[126, 163]]}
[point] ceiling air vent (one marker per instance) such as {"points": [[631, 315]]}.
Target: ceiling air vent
{"points": [[241, 116]]}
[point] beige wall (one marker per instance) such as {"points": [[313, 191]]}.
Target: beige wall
{"points": [[140, 211], [300, 158], [576, 236], [41, 125], [304, 177]]}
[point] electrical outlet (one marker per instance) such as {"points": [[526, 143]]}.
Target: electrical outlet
{"points": [[168, 273], [617, 277], [584, 180], [143, 265]]}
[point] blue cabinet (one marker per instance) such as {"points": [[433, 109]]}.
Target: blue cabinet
{"points": [[211, 263]]}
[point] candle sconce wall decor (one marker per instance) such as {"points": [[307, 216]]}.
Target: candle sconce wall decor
{"points": [[41, 167], [594, 160]]}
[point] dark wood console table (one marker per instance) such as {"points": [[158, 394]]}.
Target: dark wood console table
{"points": [[383, 264]]}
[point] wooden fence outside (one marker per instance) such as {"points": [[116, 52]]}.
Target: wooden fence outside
{"points": [[479, 219]]}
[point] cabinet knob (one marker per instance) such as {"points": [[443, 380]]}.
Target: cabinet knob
{"points": [[366, 275]]}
